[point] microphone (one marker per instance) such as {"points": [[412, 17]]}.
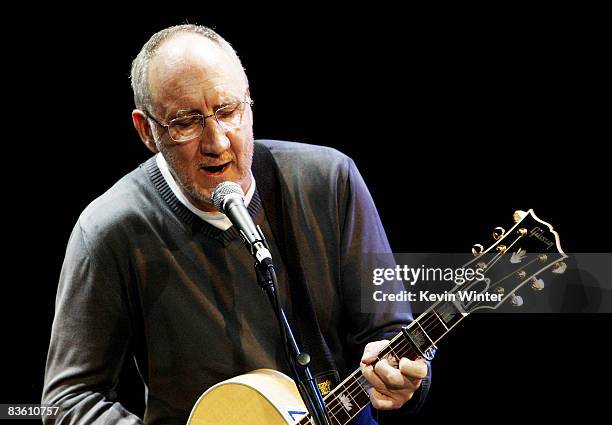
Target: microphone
{"points": [[228, 198]]}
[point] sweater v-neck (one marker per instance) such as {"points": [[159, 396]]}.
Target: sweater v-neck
{"points": [[190, 219]]}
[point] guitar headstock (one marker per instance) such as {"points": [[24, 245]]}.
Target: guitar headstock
{"points": [[521, 256]]}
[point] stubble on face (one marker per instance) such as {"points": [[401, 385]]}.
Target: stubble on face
{"points": [[198, 195]]}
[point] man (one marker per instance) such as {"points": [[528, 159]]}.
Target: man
{"points": [[153, 271]]}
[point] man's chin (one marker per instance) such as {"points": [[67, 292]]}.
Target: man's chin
{"points": [[204, 202], [203, 193], [211, 184]]}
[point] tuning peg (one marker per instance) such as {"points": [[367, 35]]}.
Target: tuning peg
{"points": [[498, 233], [477, 249], [559, 268], [537, 284], [501, 248], [516, 300]]}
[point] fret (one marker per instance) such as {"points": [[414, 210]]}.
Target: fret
{"points": [[363, 384], [341, 407], [346, 400], [337, 413], [419, 338], [359, 392], [355, 390], [351, 396], [348, 391], [431, 323], [418, 322], [439, 318], [449, 313], [398, 348], [390, 346]]}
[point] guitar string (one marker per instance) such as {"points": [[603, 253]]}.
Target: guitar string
{"points": [[488, 266], [432, 321], [401, 348], [355, 388], [404, 345], [335, 406], [352, 389]]}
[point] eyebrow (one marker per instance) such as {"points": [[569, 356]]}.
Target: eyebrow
{"points": [[225, 103], [186, 112], [181, 113]]}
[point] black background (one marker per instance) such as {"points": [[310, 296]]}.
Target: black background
{"points": [[455, 118]]}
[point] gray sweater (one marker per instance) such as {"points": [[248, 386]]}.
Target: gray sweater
{"points": [[145, 278]]}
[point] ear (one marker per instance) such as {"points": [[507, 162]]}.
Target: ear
{"points": [[141, 123]]}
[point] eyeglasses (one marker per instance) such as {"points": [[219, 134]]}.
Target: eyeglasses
{"points": [[190, 127]]}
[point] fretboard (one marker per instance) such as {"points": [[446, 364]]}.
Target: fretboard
{"points": [[351, 396]]}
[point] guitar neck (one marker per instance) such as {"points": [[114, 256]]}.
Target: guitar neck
{"points": [[418, 339]]}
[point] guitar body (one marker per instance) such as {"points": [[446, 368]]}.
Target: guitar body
{"points": [[261, 397]]}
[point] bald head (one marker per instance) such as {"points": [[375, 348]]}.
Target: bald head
{"points": [[176, 44], [189, 66]]}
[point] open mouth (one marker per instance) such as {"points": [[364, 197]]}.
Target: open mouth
{"points": [[216, 169]]}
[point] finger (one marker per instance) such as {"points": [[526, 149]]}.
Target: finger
{"points": [[391, 377], [413, 369], [383, 401], [370, 352], [371, 377]]}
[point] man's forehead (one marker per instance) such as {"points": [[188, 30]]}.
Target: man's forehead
{"points": [[192, 57], [189, 46]]}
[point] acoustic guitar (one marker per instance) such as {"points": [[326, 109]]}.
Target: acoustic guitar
{"points": [[518, 257]]}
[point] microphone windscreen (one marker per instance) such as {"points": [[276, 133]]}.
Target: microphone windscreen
{"points": [[222, 190]]}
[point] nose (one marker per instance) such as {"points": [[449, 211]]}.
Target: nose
{"points": [[214, 139]]}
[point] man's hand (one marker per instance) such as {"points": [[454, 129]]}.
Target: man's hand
{"points": [[391, 387]]}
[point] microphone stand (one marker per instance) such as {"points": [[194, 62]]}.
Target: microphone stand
{"points": [[298, 360]]}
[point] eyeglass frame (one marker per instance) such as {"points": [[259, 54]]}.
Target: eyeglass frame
{"points": [[166, 127]]}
